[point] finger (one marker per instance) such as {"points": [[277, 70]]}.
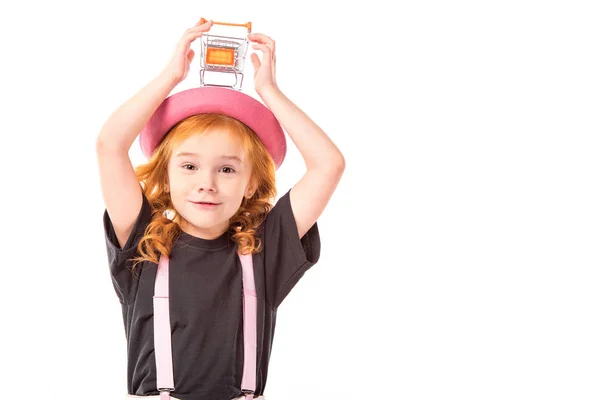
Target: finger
{"points": [[263, 39], [262, 47], [205, 26], [190, 55], [259, 37], [195, 34], [189, 37], [255, 62], [266, 51], [199, 23], [199, 28]]}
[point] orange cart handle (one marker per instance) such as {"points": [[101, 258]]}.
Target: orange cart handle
{"points": [[247, 24]]}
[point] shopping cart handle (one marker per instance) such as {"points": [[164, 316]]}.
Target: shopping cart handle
{"points": [[247, 24]]}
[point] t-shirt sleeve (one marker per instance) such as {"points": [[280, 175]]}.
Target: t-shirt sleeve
{"points": [[124, 281], [287, 257]]}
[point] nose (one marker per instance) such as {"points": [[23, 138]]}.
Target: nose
{"points": [[206, 182]]}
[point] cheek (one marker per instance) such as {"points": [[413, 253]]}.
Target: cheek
{"points": [[232, 184], [180, 181]]}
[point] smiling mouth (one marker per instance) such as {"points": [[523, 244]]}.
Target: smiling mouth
{"points": [[205, 204]]}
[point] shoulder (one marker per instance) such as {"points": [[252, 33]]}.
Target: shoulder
{"points": [[280, 231], [143, 219], [275, 212]]}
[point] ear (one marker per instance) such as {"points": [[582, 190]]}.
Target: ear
{"points": [[250, 189]]}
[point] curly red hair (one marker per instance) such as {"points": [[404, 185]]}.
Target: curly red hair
{"points": [[162, 231]]}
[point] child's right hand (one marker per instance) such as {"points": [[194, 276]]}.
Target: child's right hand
{"points": [[179, 66]]}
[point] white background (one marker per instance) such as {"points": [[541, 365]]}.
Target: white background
{"points": [[459, 254]]}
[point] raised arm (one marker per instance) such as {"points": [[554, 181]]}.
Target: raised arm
{"points": [[325, 163], [120, 188]]}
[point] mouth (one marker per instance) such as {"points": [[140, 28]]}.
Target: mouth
{"points": [[204, 204]]}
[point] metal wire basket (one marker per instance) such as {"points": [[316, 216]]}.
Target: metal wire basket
{"points": [[224, 55]]}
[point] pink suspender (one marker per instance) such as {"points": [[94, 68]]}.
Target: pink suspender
{"points": [[162, 329], [249, 301]]}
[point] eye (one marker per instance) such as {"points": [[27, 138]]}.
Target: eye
{"points": [[185, 165], [229, 168]]}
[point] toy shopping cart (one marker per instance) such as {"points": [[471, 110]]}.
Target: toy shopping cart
{"points": [[222, 58]]}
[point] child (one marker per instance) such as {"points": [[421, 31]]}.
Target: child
{"points": [[200, 283]]}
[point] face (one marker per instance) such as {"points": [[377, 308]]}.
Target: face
{"points": [[211, 167]]}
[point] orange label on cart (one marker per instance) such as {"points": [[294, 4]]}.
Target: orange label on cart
{"points": [[220, 56]]}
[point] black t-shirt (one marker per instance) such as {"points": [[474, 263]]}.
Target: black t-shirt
{"points": [[206, 306]]}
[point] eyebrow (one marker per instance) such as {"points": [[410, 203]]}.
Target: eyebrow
{"points": [[225, 157]]}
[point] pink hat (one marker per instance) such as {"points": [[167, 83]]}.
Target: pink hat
{"points": [[220, 100]]}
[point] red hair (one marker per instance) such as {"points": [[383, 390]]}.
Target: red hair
{"points": [[162, 231]]}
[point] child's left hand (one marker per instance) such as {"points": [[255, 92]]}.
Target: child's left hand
{"points": [[264, 72]]}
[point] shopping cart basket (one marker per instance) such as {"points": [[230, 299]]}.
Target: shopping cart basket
{"points": [[224, 55]]}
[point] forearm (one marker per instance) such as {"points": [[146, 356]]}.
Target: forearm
{"points": [[122, 127], [317, 149]]}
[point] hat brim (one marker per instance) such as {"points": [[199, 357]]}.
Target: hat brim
{"points": [[208, 99]]}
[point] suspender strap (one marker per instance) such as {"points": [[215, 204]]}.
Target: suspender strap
{"points": [[249, 374], [162, 329]]}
